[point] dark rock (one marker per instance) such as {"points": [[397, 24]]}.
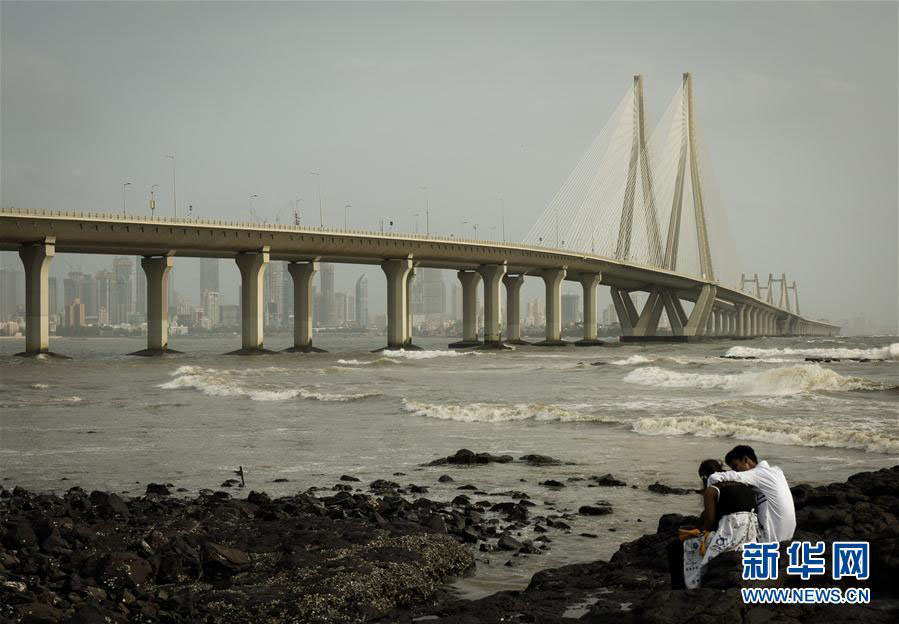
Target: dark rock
{"points": [[507, 542], [125, 569], [382, 485], [468, 458], [445, 479], [600, 509], [552, 483], [607, 480], [348, 478], [660, 488], [158, 489], [540, 460]]}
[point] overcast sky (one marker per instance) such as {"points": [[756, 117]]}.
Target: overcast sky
{"points": [[798, 104]]}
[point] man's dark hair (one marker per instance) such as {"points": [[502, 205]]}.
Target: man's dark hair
{"points": [[739, 452]]}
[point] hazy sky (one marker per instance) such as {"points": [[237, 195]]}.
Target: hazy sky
{"points": [[798, 103]]}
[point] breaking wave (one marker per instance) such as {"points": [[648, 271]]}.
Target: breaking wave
{"points": [[427, 355], [383, 361], [636, 360], [890, 352], [212, 382], [783, 380], [801, 432], [776, 431]]}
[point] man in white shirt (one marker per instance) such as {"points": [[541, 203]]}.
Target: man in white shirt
{"points": [[777, 513]]}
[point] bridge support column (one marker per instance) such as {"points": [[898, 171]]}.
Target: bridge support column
{"points": [[513, 308], [252, 310], [409, 320], [589, 282], [302, 274], [492, 274], [677, 318], [738, 319], [733, 322], [552, 278], [625, 310], [36, 260], [648, 321], [470, 281], [702, 310], [157, 270], [397, 272]]}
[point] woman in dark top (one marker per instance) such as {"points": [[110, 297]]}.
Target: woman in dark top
{"points": [[729, 520]]}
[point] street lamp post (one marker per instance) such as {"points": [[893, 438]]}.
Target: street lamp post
{"points": [[321, 212], [415, 221], [124, 194], [345, 208], [174, 191], [427, 210], [475, 226], [152, 199], [462, 229], [296, 210], [253, 210], [502, 213]]}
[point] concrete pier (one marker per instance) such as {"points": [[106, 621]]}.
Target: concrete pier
{"points": [[589, 282], [252, 267], [397, 272], [469, 281], [513, 308], [492, 274], [157, 270], [409, 277], [302, 274], [624, 309], [702, 310], [36, 259], [552, 278]]}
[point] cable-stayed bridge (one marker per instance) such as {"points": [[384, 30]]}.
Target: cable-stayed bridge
{"points": [[639, 213]]}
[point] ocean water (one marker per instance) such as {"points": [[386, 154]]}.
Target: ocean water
{"points": [[644, 413]]}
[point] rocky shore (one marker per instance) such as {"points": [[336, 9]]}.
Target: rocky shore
{"points": [[385, 552]]}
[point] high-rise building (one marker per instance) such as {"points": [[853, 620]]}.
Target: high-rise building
{"points": [[209, 277], [211, 308], [326, 303], [10, 281], [570, 309], [609, 315], [428, 293], [122, 293], [75, 314], [103, 281], [84, 288], [273, 293], [340, 311], [140, 290], [362, 301], [287, 289], [53, 303], [455, 300]]}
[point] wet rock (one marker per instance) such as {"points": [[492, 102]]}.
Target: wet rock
{"points": [[258, 498], [507, 542], [445, 479], [125, 569], [607, 480], [108, 505], [467, 487], [348, 478], [540, 460], [552, 483], [660, 488], [157, 489], [382, 485], [466, 457], [601, 508]]}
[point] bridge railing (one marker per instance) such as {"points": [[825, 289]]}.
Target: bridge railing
{"points": [[194, 222]]}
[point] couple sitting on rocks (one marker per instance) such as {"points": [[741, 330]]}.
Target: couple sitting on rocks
{"points": [[749, 503]]}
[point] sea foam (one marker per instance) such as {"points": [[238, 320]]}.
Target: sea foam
{"points": [[219, 383], [890, 352], [783, 380]]}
